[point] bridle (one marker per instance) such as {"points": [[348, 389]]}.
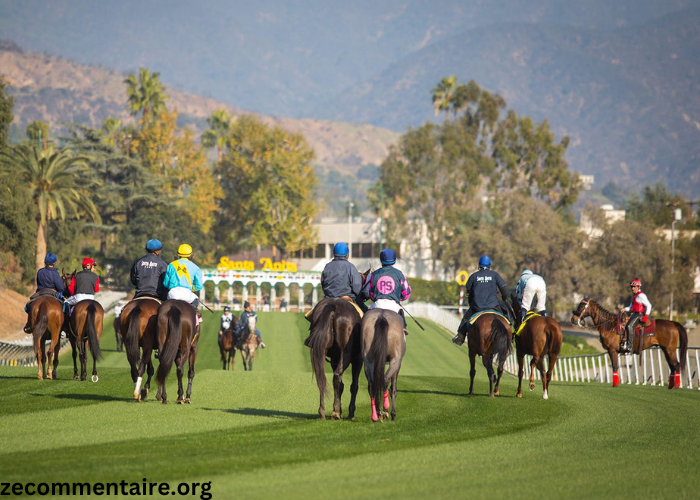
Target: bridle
{"points": [[580, 321]]}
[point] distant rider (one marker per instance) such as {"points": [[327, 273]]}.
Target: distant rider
{"points": [[226, 320], [183, 277], [84, 284], [483, 287], [387, 287], [531, 293], [248, 313], [148, 272], [48, 281], [639, 309]]}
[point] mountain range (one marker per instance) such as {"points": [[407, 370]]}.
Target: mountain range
{"points": [[619, 78]]}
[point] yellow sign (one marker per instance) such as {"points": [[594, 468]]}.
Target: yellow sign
{"points": [[462, 277], [248, 265]]}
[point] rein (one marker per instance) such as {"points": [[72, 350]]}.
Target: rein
{"points": [[608, 324]]}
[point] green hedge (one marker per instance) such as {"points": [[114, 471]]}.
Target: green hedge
{"points": [[443, 293]]}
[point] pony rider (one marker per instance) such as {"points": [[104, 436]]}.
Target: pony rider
{"points": [[639, 309]]}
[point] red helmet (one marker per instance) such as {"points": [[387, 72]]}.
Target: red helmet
{"points": [[636, 282], [87, 261]]}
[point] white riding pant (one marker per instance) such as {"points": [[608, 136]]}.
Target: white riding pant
{"points": [[386, 304], [535, 295], [181, 293], [74, 299]]}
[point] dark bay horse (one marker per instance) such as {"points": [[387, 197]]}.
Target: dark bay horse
{"points": [[227, 346], [383, 341], [178, 335], [489, 336], [335, 335], [248, 343], [46, 321], [139, 331], [116, 324], [86, 323], [670, 335], [541, 336]]}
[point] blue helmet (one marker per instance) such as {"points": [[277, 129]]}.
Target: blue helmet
{"points": [[341, 250], [154, 245], [484, 261], [387, 257], [50, 258], [526, 272]]}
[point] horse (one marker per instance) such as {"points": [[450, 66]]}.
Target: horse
{"points": [[490, 335], [335, 335], [383, 341], [139, 331], [227, 346], [669, 336], [248, 343], [46, 321], [541, 336], [116, 324], [85, 324], [178, 335]]}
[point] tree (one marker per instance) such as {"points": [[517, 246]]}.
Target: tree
{"points": [[146, 95], [268, 183], [38, 133], [218, 132], [17, 232], [655, 206], [53, 179], [429, 180], [7, 104], [443, 94]]}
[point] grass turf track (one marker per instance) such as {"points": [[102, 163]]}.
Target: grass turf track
{"points": [[255, 435]]}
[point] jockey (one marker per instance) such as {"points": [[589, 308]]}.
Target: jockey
{"points": [[247, 313], [118, 308], [183, 277], [483, 287], [226, 320], [387, 287], [148, 272], [531, 292], [49, 280], [639, 309], [84, 284]]}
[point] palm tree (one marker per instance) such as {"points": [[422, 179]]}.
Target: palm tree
{"points": [[111, 130], [146, 94], [54, 182], [218, 132], [443, 95]]}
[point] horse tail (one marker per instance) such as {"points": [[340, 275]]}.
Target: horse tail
{"points": [[171, 345], [320, 331], [500, 341], [92, 332], [132, 336], [43, 322], [682, 343], [378, 353]]}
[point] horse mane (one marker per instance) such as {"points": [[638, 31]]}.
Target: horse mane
{"points": [[607, 315]]}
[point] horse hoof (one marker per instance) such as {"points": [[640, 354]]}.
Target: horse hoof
{"points": [[187, 401], [76, 377], [384, 416], [180, 401], [545, 395], [374, 418], [519, 395], [336, 416], [143, 395], [95, 378], [532, 386]]}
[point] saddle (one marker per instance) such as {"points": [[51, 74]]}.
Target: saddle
{"points": [[476, 316], [43, 292], [647, 329]]}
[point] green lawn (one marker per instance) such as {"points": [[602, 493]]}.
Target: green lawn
{"points": [[255, 434]]}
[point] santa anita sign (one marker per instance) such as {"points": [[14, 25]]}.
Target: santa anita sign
{"points": [[248, 265]]}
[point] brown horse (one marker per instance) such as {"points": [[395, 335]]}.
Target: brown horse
{"points": [[248, 343], [116, 324], [46, 320], [139, 332], [669, 336], [335, 335], [227, 346], [383, 341], [85, 324], [541, 336], [490, 335], [178, 335]]}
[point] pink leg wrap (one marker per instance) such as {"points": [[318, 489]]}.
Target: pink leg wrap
{"points": [[678, 380], [386, 400], [616, 379], [374, 412]]}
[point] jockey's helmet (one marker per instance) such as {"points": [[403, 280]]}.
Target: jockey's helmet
{"points": [[227, 308], [636, 282], [246, 304], [387, 257], [50, 258], [341, 250], [526, 272], [184, 250], [154, 245], [484, 261], [87, 261]]}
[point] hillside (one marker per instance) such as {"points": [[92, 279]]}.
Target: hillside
{"points": [[59, 91], [628, 98]]}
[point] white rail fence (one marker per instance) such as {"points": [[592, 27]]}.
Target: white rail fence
{"points": [[653, 369]]}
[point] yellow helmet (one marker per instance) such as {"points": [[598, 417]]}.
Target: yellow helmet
{"points": [[184, 250]]}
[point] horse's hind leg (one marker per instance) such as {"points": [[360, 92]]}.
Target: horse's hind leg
{"points": [[190, 374], [499, 374], [354, 386], [472, 371], [535, 361], [488, 364], [338, 388], [521, 372], [543, 374], [74, 349], [180, 365], [83, 359], [673, 366]]}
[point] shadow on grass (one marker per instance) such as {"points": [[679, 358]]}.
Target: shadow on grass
{"points": [[259, 412], [82, 397], [25, 377]]}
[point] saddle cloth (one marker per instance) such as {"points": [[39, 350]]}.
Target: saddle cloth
{"points": [[649, 328], [528, 317], [344, 297], [476, 316]]}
